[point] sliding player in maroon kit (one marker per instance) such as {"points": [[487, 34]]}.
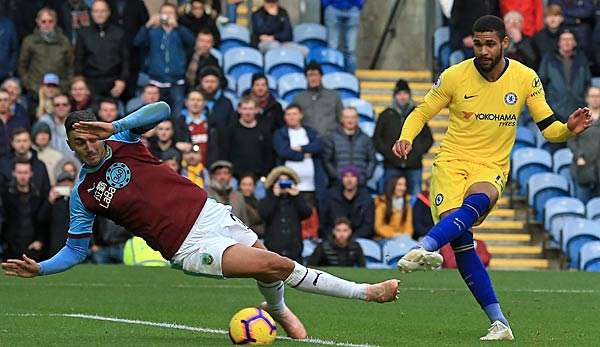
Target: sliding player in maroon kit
{"points": [[122, 181]]}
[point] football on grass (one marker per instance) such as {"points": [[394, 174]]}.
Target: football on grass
{"points": [[252, 326]]}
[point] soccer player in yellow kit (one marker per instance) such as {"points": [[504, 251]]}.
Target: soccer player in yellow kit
{"points": [[485, 96]]}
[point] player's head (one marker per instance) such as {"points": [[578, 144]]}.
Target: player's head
{"points": [[87, 147], [342, 231], [489, 42]]}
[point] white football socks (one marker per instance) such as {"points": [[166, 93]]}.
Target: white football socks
{"points": [[319, 282], [273, 294]]}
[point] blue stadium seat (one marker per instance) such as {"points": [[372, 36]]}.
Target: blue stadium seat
{"points": [[371, 251], [233, 36], [311, 35], [576, 233], [308, 247], [290, 85], [527, 162], [396, 248], [593, 209], [282, 61], [244, 84], [260, 191], [231, 84], [525, 138], [284, 104], [556, 228], [346, 84], [363, 107], [544, 186], [232, 97], [589, 257], [218, 55], [561, 161], [241, 60], [557, 210], [331, 60], [367, 127], [441, 36]]}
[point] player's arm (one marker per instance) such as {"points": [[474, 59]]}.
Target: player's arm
{"points": [[437, 98]]}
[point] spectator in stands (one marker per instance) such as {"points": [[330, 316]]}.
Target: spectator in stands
{"points": [[463, 16], [393, 212], [201, 58], [389, 125], [108, 243], [163, 141], [47, 50], [579, 19], [585, 168], [8, 122], [348, 145], [520, 47], [108, 110], [565, 76], [250, 148], [42, 137], [21, 149], [57, 212], [24, 229], [69, 165], [48, 90], [342, 19], [192, 167], [197, 20], [130, 15], [56, 121], [532, 12], [169, 45], [247, 187], [340, 249], [351, 201], [271, 28], [73, 15], [23, 15], [81, 97], [9, 47], [102, 54], [197, 123], [270, 112], [322, 107], [150, 94], [422, 220], [172, 158], [283, 209], [299, 148], [18, 104], [545, 41], [220, 189]]}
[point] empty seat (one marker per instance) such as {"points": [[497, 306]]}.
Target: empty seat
{"points": [[525, 138], [593, 209], [367, 127], [241, 60], [331, 60], [244, 84], [396, 248], [589, 257], [346, 84], [233, 36], [232, 97], [281, 61], [289, 85], [557, 209], [371, 251], [576, 233], [312, 35], [527, 162], [561, 161], [363, 107], [231, 84], [543, 187]]}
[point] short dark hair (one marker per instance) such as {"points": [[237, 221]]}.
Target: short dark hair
{"points": [[108, 100], [149, 86], [205, 30], [294, 105], [490, 23], [78, 116], [342, 220], [21, 160], [18, 131]]}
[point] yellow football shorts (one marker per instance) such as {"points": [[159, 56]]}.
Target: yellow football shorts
{"points": [[451, 179]]}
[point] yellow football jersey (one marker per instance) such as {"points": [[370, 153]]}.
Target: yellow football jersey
{"points": [[483, 115]]}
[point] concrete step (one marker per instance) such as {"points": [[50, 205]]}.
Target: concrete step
{"points": [[518, 264], [502, 237], [394, 75], [493, 225], [503, 213], [510, 250]]}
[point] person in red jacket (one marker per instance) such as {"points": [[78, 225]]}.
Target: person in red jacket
{"points": [[531, 10]]}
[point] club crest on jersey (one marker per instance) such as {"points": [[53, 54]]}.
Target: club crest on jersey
{"points": [[510, 98], [437, 83], [118, 175], [439, 199]]}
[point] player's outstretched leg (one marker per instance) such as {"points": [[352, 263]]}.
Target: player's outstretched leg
{"points": [[449, 228], [478, 280]]}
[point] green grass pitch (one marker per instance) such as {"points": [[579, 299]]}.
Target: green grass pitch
{"points": [[545, 308]]}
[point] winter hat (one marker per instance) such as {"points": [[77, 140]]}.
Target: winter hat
{"points": [[401, 85], [349, 169], [220, 164], [278, 171], [40, 127], [64, 176], [210, 70]]}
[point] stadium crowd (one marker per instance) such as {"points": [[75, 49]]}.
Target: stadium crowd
{"points": [[290, 171]]}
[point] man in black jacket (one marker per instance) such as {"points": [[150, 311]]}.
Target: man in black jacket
{"points": [[102, 54], [270, 112], [389, 125], [339, 249], [545, 40], [198, 20]]}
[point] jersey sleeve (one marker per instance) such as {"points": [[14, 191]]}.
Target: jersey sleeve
{"points": [[437, 98], [130, 128], [126, 136], [82, 220]]}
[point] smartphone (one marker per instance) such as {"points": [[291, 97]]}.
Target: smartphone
{"points": [[164, 19], [63, 191], [285, 184]]}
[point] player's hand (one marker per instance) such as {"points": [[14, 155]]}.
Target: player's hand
{"points": [[21, 268], [294, 191], [100, 130], [579, 120], [402, 148]]}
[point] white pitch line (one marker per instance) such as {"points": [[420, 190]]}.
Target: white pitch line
{"points": [[309, 340]]}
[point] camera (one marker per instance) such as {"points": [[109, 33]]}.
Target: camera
{"points": [[285, 184], [164, 19], [63, 191]]}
